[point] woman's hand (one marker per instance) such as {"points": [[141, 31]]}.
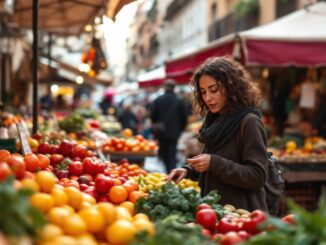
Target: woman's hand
{"points": [[200, 163], [177, 175]]}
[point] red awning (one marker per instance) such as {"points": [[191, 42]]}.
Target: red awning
{"points": [[184, 66], [151, 83]]}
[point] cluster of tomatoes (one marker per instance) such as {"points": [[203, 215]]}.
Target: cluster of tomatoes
{"points": [[229, 229], [132, 144]]}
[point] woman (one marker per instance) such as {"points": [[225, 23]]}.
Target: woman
{"points": [[234, 160]]}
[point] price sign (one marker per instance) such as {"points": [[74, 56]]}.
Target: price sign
{"points": [[23, 139], [99, 150]]}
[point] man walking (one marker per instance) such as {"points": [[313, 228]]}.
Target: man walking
{"points": [[169, 119]]}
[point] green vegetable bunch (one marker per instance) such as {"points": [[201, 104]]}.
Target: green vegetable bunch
{"points": [[171, 200], [309, 230], [17, 216], [73, 123], [173, 231]]}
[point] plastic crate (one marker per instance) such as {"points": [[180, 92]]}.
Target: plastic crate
{"points": [[8, 144]]}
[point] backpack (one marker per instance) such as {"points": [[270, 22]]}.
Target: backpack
{"points": [[274, 186]]}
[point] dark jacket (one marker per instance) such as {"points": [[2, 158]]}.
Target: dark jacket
{"points": [[238, 169], [169, 109]]}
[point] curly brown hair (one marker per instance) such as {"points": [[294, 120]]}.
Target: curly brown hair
{"points": [[240, 90]]}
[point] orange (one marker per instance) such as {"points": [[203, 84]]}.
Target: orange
{"points": [[120, 232], [50, 232], [42, 201], [4, 154], [74, 225], [118, 194], [46, 180], [57, 214], [44, 161], [86, 239], [30, 184], [74, 196], [108, 211], [93, 218], [133, 196], [144, 225], [123, 213], [129, 206], [127, 132], [66, 240], [59, 196], [141, 216]]}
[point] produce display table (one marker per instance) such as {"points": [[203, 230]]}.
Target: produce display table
{"points": [[133, 157], [304, 182]]}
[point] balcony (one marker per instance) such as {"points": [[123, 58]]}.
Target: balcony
{"points": [[230, 24], [174, 8]]}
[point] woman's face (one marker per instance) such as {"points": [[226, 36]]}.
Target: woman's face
{"points": [[213, 93]]}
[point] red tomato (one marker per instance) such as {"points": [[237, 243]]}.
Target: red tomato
{"points": [[100, 167], [17, 165], [4, 171], [229, 223], [290, 219], [56, 159], [65, 147], [44, 148], [103, 184], [206, 218], [44, 161], [203, 206], [91, 191], [76, 168], [231, 238], [257, 217], [32, 162], [89, 166], [79, 151]]}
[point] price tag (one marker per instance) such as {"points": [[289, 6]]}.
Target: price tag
{"points": [[99, 150], [23, 139]]}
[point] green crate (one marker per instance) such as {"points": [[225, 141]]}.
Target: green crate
{"points": [[8, 144]]}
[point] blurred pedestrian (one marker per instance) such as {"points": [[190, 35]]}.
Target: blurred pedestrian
{"points": [[127, 118], [169, 119], [234, 159]]}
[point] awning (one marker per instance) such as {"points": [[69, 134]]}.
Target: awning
{"points": [[182, 68], [152, 78], [65, 17], [59, 65], [297, 39]]}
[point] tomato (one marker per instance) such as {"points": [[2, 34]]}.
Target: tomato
{"points": [[89, 166], [91, 191], [229, 223], [231, 238], [56, 159], [118, 194], [79, 151], [44, 148], [62, 174], [206, 217], [4, 171], [103, 184], [290, 219], [203, 206], [257, 217], [44, 161], [17, 165], [76, 168], [31, 162], [84, 179], [65, 147], [54, 149], [100, 167]]}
